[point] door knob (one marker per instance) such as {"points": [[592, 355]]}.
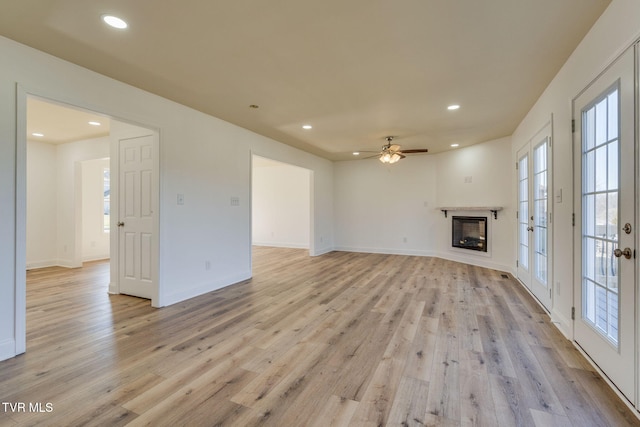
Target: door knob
{"points": [[620, 252], [121, 224]]}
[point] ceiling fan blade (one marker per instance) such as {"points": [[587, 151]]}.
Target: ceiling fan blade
{"points": [[417, 150], [394, 147]]}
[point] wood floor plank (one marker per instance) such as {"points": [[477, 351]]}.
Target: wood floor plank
{"points": [[343, 339], [476, 407], [410, 403]]}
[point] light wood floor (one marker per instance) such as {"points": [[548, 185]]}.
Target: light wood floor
{"points": [[344, 339]]}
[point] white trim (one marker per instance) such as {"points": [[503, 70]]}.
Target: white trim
{"points": [[480, 262], [281, 245], [206, 287], [20, 319]]}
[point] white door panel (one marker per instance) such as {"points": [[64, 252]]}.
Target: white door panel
{"points": [[605, 281], [533, 216], [136, 217]]}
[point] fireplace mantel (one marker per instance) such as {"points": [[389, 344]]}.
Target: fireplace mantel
{"points": [[493, 209]]}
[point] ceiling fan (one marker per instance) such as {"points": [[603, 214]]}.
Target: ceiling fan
{"points": [[391, 153]]}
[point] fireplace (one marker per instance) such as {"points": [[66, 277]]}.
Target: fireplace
{"points": [[469, 232]]}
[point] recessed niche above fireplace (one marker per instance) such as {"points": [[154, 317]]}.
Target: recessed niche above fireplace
{"points": [[469, 232]]}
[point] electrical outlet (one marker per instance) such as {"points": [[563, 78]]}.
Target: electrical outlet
{"points": [[207, 265], [180, 199]]}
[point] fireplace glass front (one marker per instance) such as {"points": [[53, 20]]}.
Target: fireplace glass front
{"points": [[469, 232]]}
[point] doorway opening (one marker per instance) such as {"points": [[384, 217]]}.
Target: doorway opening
{"points": [[71, 169], [280, 204]]}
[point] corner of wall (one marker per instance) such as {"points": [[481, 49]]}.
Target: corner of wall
{"points": [[7, 349]]}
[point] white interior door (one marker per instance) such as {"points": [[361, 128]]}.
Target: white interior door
{"points": [[135, 216], [604, 203], [533, 216]]}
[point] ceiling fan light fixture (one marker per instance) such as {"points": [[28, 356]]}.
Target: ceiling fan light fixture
{"points": [[390, 158]]}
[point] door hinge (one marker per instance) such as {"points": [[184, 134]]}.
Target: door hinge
{"points": [[573, 125], [573, 219], [517, 214], [516, 165], [517, 263], [573, 313]]}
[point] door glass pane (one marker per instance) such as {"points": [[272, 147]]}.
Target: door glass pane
{"points": [[540, 211], [600, 164], [523, 213]]}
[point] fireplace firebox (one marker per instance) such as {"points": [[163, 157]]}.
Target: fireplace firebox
{"points": [[469, 232]]}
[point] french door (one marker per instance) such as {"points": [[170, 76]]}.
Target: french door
{"points": [[533, 216], [605, 223]]}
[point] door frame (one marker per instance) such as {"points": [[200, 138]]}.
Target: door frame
{"points": [[22, 93], [544, 132], [632, 401], [115, 138]]}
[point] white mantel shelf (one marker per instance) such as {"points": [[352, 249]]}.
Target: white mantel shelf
{"points": [[493, 209]]}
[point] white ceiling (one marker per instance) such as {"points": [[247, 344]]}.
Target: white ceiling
{"points": [[357, 70], [59, 124]]}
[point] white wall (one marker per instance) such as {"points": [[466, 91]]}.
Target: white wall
{"points": [[490, 171], [393, 208], [42, 211], [55, 204], [95, 241], [205, 228], [280, 204], [69, 158], [616, 29], [386, 208]]}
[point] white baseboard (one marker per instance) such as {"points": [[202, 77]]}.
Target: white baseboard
{"points": [[182, 295], [95, 258], [386, 251], [33, 265], [281, 245], [479, 261]]}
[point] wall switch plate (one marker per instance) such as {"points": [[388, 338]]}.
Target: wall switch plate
{"points": [[235, 201], [559, 195], [180, 199]]}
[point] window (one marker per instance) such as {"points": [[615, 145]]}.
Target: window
{"points": [[541, 211], [600, 160], [106, 186]]}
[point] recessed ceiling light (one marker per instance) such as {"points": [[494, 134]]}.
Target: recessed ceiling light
{"points": [[37, 134], [95, 123], [307, 127], [356, 153], [115, 22], [455, 145], [453, 107]]}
